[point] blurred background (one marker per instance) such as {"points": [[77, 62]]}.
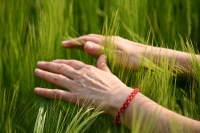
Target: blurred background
{"points": [[32, 31]]}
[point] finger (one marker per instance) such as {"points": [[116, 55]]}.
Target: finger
{"points": [[72, 63], [54, 94], [56, 79], [101, 63], [63, 69], [96, 35], [93, 48], [77, 42], [100, 41]]}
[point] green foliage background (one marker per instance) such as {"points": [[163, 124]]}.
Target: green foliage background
{"points": [[32, 30]]}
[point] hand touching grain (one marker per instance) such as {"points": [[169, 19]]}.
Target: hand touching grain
{"points": [[127, 52], [84, 83]]}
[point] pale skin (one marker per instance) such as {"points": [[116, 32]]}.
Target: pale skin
{"points": [[91, 85]]}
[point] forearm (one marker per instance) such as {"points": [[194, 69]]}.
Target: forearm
{"points": [[149, 114], [178, 59]]}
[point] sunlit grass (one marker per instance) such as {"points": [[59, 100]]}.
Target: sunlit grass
{"points": [[33, 30]]}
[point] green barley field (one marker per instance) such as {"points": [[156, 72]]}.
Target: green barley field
{"points": [[32, 31]]}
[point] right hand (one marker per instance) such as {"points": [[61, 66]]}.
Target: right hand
{"points": [[127, 52]]}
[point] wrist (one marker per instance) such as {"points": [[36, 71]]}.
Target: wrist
{"points": [[117, 99], [139, 103], [125, 105]]}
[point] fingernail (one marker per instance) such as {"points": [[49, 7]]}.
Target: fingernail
{"points": [[37, 90], [64, 43], [103, 58], [37, 71], [89, 45], [39, 63]]}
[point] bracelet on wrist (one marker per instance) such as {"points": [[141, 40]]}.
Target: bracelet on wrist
{"points": [[124, 106]]}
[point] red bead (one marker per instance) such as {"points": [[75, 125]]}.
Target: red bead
{"points": [[131, 96]]}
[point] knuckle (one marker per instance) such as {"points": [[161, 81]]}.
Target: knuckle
{"points": [[55, 77], [71, 62], [56, 93], [87, 38], [84, 71], [60, 66], [80, 74], [75, 96], [65, 78], [88, 67], [45, 92]]}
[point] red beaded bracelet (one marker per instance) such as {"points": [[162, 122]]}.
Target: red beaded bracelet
{"points": [[122, 109]]}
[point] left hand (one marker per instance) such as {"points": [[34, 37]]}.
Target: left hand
{"points": [[128, 53], [86, 84]]}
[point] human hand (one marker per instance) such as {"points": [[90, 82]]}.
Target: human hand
{"points": [[86, 84], [127, 52]]}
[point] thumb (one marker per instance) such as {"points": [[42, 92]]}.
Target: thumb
{"points": [[101, 63], [93, 49]]}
